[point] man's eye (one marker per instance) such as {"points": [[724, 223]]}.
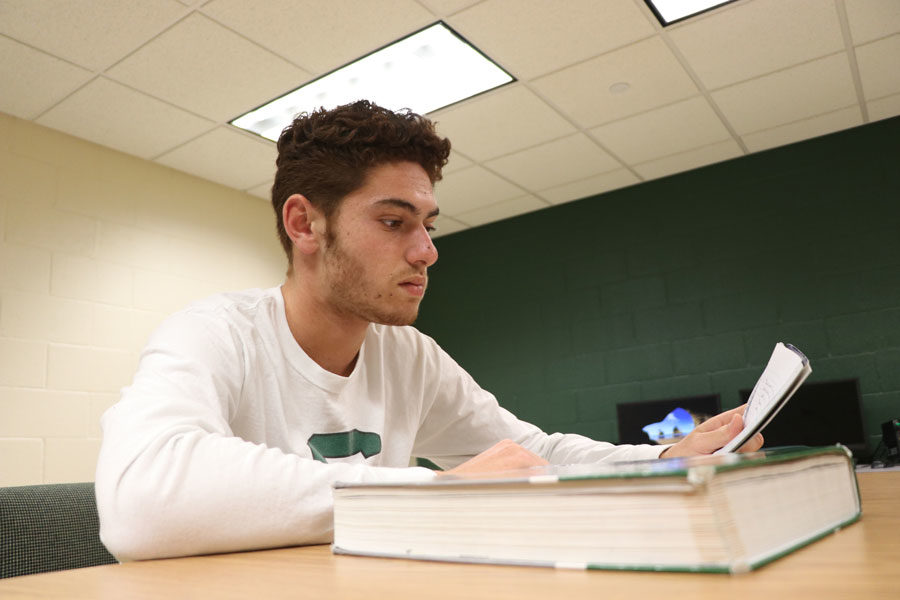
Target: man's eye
{"points": [[392, 223], [430, 228]]}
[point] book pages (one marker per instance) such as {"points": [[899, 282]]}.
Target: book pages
{"points": [[786, 370]]}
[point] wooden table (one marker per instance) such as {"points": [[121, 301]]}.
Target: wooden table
{"points": [[861, 561]]}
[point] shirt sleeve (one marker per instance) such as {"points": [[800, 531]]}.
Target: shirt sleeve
{"points": [[172, 478], [463, 420]]}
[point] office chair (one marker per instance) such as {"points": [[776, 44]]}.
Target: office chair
{"points": [[49, 528]]}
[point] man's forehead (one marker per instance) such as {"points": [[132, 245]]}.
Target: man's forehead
{"points": [[402, 185]]}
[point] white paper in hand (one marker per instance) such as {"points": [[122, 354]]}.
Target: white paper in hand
{"points": [[787, 369]]}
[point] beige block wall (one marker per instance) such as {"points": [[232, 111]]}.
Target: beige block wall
{"points": [[96, 248]]}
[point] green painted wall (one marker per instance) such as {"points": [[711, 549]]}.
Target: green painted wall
{"points": [[683, 285]]}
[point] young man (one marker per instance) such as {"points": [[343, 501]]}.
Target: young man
{"points": [[247, 407]]}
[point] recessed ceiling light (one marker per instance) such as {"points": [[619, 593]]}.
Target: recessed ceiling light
{"points": [[671, 11], [425, 71]]}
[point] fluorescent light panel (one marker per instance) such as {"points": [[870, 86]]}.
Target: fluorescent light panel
{"points": [[670, 11], [423, 72]]}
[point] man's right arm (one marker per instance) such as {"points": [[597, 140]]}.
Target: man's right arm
{"points": [[173, 479]]}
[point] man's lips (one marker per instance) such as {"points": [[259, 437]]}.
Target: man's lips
{"points": [[415, 285]]}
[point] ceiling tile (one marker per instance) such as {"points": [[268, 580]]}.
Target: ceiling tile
{"points": [[448, 7], [91, 34], [758, 37], [654, 75], [591, 186], [533, 38], [320, 36], [225, 156], [506, 120], [687, 124], [186, 66], [803, 91], [884, 108], [872, 19], [691, 159], [108, 113], [501, 210], [472, 188], [456, 162], [445, 225], [803, 130], [879, 67], [33, 81], [207, 69], [554, 163]]}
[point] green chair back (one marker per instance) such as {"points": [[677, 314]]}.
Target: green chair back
{"points": [[49, 528]]}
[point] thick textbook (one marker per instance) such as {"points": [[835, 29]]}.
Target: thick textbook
{"points": [[725, 513]]}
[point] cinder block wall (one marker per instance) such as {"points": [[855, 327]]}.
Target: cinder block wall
{"points": [[683, 285], [96, 247]]}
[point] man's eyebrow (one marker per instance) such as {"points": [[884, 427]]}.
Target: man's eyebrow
{"points": [[408, 206]]}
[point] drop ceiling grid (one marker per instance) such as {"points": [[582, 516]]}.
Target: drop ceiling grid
{"points": [[33, 81], [884, 108], [555, 163], [93, 35], [756, 38], [534, 38], [501, 210], [204, 67], [843, 118], [872, 19], [803, 91], [446, 8], [471, 188], [818, 66], [507, 120], [590, 186], [102, 109], [320, 36], [689, 159], [879, 67], [226, 156]]}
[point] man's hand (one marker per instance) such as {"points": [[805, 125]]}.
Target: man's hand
{"points": [[502, 456], [714, 433]]}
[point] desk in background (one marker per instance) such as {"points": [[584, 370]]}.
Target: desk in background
{"points": [[861, 561]]}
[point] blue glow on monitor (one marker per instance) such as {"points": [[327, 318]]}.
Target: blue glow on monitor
{"points": [[672, 428], [645, 421]]}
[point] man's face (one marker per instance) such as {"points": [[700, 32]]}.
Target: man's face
{"points": [[378, 247]]}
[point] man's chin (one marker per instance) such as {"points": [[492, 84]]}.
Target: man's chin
{"points": [[397, 318]]}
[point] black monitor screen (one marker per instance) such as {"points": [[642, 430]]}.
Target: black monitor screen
{"points": [[820, 414], [663, 421]]}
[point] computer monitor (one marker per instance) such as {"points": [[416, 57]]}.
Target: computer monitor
{"points": [[820, 414], [663, 421]]}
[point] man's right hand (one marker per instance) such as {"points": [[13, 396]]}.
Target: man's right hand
{"points": [[502, 456]]}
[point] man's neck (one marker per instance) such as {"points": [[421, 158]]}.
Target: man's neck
{"points": [[331, 340]]}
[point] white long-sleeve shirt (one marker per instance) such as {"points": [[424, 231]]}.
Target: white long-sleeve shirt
{"points": [[230, 437]]}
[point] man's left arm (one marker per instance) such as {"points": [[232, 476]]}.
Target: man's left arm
{"points": [[705, 439], [464, 422], [460, 420]]}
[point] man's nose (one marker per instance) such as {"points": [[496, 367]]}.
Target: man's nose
{"points": [[422, 250]]}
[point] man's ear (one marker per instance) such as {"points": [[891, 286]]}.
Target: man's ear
{"points": [[303, 222]]}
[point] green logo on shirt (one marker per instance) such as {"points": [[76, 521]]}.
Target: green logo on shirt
{"points": [[344, 444]]}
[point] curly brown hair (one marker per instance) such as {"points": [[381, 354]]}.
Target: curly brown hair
{"points": [[325, 155]]}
